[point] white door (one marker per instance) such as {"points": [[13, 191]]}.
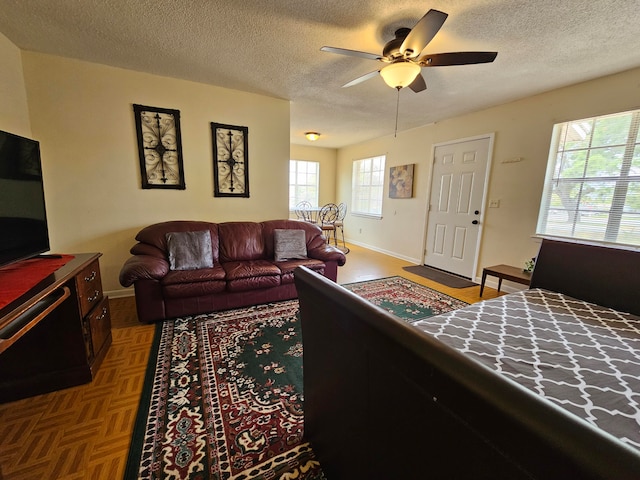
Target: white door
{"points": [[455, 205]]}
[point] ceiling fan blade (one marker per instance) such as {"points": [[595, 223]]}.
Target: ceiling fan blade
{"points": [[422, 33], [418, 84], [456, 58], [352, 53], [361, 79]]}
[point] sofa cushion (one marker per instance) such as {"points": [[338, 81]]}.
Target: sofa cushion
{"points": [[241, 241], [289, 244], [288, 266], [249, 275], [175, 277], [255, 268], [253, 283], [189, 250]]}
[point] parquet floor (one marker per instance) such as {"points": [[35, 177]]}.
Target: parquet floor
{"points": [[84, 432]]}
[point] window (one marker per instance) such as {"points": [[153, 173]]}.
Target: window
{"points": [[592, 186], [304, 180], [368, 186]]}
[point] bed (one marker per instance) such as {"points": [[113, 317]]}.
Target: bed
{"points": [[499, 389]]}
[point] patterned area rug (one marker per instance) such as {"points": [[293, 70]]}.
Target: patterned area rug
{"points": [[404, 298], [223, 394]]}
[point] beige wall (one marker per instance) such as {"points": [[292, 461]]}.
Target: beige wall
{"points": [[14, 113], [327, 157], [522, 129], [82, 115]]}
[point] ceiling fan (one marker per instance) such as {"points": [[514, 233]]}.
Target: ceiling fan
{"points": [[402, 54]]}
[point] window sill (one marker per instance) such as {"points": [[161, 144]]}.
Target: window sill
{"points": [[366, 215]]}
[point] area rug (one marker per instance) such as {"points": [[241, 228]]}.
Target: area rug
{"points": [[405, 299], [223, 394], [439, 276]]}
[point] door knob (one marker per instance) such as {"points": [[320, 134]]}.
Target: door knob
{"points": [[477, 212], [475, 222]]}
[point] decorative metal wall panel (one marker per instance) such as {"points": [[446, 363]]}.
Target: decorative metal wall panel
{"points": [[230, 160], [159, 147]]}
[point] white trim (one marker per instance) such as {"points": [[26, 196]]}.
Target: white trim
{"points": [[415, 261], [121, 293], [366, 215]]}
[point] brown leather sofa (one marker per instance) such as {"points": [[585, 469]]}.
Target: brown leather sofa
{"points": [[244, 270]]}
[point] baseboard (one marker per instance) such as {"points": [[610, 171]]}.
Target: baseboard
{"points": [[121, 293], [415, 261]]}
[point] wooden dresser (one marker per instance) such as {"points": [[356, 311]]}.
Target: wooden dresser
{"points": [[56, 334]]}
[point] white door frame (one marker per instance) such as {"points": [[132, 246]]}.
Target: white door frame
{"points": [[491, 137]]}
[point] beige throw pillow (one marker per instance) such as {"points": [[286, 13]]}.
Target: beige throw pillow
{"points": [[289, 244]]}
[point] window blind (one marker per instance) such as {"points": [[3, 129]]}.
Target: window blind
{"points": [[592, 184]]}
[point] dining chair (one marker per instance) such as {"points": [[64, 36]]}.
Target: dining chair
{"points": [[339, 223], [303, 211], [326, 220]]}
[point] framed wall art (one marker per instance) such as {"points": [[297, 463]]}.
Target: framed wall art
{"points": [[230, 160], [401, 181], [159, 147]]}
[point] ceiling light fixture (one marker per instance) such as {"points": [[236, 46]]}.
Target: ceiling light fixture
{"points": [[400, 74], [312, 136]]}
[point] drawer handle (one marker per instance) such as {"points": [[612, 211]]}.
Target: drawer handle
{"points": [[102, 315], [94, 297], [91, 277]]}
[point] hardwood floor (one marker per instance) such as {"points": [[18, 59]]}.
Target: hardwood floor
{"points": [[84, 432]]}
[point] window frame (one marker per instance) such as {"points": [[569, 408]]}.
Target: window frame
{"points": [[370, 191], [296, 185], [605, 206]]}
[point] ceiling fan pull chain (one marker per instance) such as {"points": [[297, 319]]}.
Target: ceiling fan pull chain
{"points": [[395, 134]]}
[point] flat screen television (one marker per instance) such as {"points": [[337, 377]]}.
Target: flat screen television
{"points": [[23, 218]]}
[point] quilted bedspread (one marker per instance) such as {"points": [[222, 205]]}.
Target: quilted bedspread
{"points": [[581, 356]]}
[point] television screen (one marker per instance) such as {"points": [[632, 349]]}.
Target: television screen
{"points": [[23, 219]]}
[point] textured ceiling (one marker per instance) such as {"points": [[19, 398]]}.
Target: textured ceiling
{"points": [[273, 48]]}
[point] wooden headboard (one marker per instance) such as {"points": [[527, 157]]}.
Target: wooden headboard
{"points": [[606, 276]]}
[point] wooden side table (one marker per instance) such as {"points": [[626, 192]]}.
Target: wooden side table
{"points": [[513, 274]]}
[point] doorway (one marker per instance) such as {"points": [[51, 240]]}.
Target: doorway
{"points": [[456, 200]]}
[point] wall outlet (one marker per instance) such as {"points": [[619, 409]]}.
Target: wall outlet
{"points": [[494, 203]]}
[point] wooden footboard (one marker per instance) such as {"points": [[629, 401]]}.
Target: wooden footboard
{"points": [[384, 400]]}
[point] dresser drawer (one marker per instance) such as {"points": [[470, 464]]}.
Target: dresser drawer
{"points": [[89, 286], [99, 321]]}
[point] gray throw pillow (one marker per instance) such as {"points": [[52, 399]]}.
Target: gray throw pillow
{"points": [[289, 244], [189, 250]]}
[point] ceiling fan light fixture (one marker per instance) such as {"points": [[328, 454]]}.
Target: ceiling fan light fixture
{"points": [[400, 74], [312, 136]]}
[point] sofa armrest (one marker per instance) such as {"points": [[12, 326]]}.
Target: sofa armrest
{"points": [[143, 267], [146, 249], [327, 253]]}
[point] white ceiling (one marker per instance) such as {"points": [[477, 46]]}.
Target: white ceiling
{"points": [[272, 47]]}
